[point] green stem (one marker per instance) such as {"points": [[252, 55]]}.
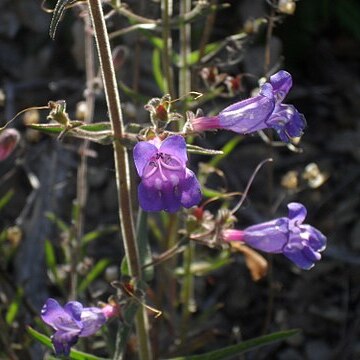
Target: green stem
{"points": [[166, 8], [185, 49], [121, 164], [187, 291]]}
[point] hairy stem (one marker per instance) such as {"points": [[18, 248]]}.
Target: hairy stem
{"points": [[166, 8], [121, 165]]}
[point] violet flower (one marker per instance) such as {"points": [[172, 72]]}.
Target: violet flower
{"points": [[71, 322], [301, 243], [259, 112], [166, 183]]}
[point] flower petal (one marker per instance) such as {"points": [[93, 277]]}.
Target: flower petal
{"points": [[249, 115], [281, 83], [297, 213], [63, 341], [190, 190], [171, 197], [175, 145], [302, 256], [149, 198], [92, 319], [269, 236], [54, 315], [287, 122], [143, 152], [316, 239], [74, 309]]}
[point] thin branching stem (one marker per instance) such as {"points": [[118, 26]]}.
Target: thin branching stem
{"points": [[121, 165]]}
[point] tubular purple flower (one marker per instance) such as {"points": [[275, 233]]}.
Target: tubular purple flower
{"points": [[71, 322], [301, 243], [166, 183], [259, 112]]}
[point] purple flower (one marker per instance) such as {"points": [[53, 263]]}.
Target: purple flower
{"points": [[166, 183], [9, 138], [299, 242], [259, 112], [71, 322]]}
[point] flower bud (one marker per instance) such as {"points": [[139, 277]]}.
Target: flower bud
{"points": [[9, 138]]}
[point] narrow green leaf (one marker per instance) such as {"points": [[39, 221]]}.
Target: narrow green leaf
{"points": [[157, 72], [194, 149], [100, 134], [210, 193], [14, 307], [6, 198], [57, 221], [156, 41], [95, 272], [238, 349], [124, 267], [226, 150], [74, 354], [50, 259], [47, 128], [96, 234], [100, 126], [104, 137], [193, 57], [202, 268]]}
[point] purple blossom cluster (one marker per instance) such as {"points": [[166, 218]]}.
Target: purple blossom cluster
{"points": [[167, 184]]}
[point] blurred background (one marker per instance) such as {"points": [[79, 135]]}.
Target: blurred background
{"points": [[319, 44]]}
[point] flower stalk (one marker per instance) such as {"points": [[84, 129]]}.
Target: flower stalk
{"points": [[121, 164], [167, 9]]}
